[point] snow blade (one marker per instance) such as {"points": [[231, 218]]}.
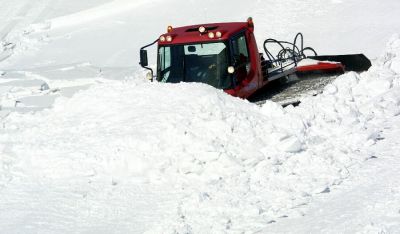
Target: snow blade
{"points": [[352, 62]]}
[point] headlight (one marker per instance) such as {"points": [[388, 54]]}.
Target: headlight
{"points": [[211, 35], [162, 38], [218, 34], [231, 69], [169, 38], [149, 76], [202, 29]]}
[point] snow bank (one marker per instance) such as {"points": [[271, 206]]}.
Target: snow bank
{"points": [[308, 150], [235, 166]]}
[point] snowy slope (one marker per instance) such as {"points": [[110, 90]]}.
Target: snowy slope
{"points": [[78, 43], [116, 154]]}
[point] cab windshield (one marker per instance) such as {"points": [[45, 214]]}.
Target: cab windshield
{"points": [[204, 63]]}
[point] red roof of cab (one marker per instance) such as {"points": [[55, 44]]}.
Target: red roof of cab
{"points": [[187, 34]]}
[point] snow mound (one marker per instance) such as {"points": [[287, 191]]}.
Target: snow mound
{"points": [[236, 166]]}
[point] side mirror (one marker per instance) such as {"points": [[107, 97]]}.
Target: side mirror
{"points": [[143, 58]]}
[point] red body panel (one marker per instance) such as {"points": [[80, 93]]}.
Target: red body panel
{"points": [[191, 34], [321, 66]]}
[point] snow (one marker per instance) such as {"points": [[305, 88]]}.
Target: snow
{"points": [[88, 145], [105, 10], [308, 62], [367, 202]]}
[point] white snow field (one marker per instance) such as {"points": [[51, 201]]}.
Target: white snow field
{"points": [[87, 145]]}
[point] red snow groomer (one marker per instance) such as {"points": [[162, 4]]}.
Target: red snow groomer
{"points": [[226, 56]]}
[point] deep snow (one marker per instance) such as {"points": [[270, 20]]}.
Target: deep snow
{"points": [[117, 154]]}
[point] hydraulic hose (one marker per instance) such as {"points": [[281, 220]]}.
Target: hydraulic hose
{"points": [[290, 51]]}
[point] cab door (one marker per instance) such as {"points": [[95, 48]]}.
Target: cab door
{"points": [[243, 76]]}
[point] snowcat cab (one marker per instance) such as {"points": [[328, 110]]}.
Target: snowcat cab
{"points": [[226, 56], [223, 55]]}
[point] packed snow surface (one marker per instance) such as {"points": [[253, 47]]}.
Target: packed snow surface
{"points": [[88, 146]]}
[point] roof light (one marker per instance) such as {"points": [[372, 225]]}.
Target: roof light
{"points": [[162, 38], [218, 34], [169, 29], [211, 35], [169, 38], [202, 29]]}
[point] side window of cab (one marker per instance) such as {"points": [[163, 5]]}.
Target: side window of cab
{"points": [[240, 55]]}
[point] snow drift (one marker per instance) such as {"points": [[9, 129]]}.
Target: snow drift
{"points": [[232, 166]]}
